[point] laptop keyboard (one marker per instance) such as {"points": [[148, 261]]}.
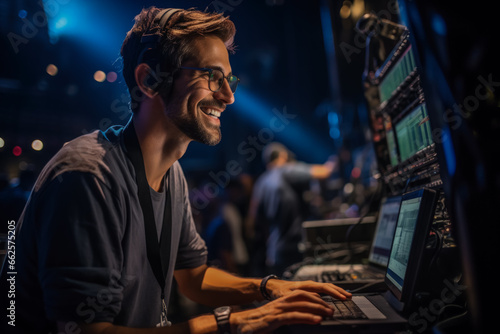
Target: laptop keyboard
{"points": [[344, 309]]}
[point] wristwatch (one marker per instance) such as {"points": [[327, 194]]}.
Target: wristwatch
{"points": [[222, 317], [263, 289]]}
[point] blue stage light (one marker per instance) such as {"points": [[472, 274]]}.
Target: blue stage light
{"points": [[282, 123]]}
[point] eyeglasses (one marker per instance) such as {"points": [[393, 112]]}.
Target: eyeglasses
{"points": [[216, 78]]}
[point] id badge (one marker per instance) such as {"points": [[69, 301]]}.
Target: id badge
{"points": [[163, 316]]}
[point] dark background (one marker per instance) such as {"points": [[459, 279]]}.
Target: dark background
{"points": [[288, 59]]}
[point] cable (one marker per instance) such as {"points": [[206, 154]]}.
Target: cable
{"points": [[438, 249], [451, 324]]}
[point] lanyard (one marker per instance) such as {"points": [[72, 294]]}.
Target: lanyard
{"points": [[158, 253]]}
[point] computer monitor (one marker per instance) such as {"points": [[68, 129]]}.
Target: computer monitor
{"points": [[412, 228], [392, 75], [384, 232], [413, 132]]}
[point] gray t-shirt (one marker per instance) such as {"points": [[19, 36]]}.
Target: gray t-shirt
{"points": [[158, 199], [80, 243]]}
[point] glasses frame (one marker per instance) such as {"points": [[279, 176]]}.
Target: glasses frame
{"points": [[210, 71]]}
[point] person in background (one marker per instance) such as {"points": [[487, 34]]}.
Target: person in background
{"points": [[277, 208]]}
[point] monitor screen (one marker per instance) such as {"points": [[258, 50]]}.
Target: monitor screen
{"points": [[403, 238], [381, 246], [413, 132], [397, 75], [415, 217]]}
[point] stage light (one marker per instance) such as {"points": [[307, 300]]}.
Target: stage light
{"points": [[277, 123], [334, 133], [438, 24], [17, 151], [345, 11], [52, 69], [99, 76], [61, 23], [22, 14], [2, 142], [356, 172], [112, 76], [348, 188], [37, 145]]}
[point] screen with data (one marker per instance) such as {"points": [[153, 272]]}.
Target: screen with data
{"points": [[403, 238], [413, 132], [384, 233], [397, 75]]}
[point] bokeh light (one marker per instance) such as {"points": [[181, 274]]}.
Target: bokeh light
{"points": [[112, 76], [99, 76], [52, 69], [17, 151], [37, 145]]}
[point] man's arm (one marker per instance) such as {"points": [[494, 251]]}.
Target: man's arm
{"points": [[298, 307], [296, 302], [204, 324], [324, 171], [214, 287]]}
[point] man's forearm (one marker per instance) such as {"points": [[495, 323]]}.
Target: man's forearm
{"points": [[204, 324], [214, 287], [227, 289]]}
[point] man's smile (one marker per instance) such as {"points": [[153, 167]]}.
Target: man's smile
{"points": [[213, 112]]}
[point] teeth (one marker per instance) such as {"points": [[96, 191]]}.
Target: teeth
{"points": [[213, 112]]}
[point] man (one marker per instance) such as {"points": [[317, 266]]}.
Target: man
{"points": [[277, 208], [108, 225]]}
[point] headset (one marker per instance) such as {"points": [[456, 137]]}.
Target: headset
{"points": [[150, 44]]}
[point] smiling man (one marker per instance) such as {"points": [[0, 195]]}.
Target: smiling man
{"points": [[108, 225]]}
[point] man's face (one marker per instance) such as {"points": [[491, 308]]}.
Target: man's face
{"points": [[192, 106]]}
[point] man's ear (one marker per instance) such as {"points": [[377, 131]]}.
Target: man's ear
{"points": [[146, 80]]}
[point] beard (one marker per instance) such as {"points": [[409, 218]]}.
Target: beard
{"points": [[195, 129]]}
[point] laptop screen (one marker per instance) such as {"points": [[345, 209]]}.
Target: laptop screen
{"points": [[413, 223], [403, 239], [381, 246]]}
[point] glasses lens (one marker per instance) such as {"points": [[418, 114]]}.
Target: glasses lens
{"points": [[233, 82], [216, 80]]}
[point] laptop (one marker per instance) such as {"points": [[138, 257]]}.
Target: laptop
{"points": [[370, 275], [386, 311]]}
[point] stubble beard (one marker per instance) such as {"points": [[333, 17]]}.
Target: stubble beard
{"points": [[196, 130]]}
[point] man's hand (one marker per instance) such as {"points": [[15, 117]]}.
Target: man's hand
{"points": [[278, 288], [296, 307]]}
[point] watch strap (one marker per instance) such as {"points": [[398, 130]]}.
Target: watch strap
{"points": [[263, 284]]}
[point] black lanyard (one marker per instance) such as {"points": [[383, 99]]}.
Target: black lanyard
{"points": [[158, 254]]}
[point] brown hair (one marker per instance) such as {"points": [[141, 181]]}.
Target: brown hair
{"points": [[175, 45]]}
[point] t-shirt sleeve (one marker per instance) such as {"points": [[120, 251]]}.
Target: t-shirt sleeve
{"points": [[80, 256], [192, 251], [297, 173]]}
